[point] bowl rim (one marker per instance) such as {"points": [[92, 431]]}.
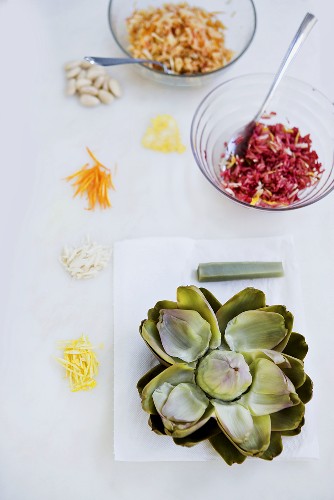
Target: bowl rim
{"points": [[185, 75], [233, 198]]}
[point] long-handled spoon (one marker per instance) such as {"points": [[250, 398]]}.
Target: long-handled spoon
{"points": [[237, 145], [114, 61]]}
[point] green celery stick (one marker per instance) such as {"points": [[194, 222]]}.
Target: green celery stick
{"points": [[226, 271]]}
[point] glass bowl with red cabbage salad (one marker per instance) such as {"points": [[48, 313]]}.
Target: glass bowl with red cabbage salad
{"points": [[289, 160]]}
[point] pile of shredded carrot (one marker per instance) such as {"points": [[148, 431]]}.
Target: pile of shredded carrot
{"points": [[80, 363], [93, 182]]}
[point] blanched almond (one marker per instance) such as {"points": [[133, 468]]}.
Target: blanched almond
{"points": [[82, 82], [114, 87], [72, 73], [105, 97], [95, 71], [72, 64], [88, 89], [106, 84], [71, 87], [89, 100], [99, 81], [85, 64], [82, 74]]}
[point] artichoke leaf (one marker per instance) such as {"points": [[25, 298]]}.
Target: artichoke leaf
{"points": [[160, 396], [295, 372], [191, 298], [184, 334], [154, 312], [275, 447], [259, 439], [288, 318], [226, 449], [255, 330], [155, 422], [181, 431], [161, 361], [270, 391], [268, 378], [174, 375], [185, 403], [250, 434], [253, 354], [214, 303], [145, 379], [305, 391], [287, 419], [150, 334], [296, 346], [265, 404], [247, 299], [296, 431], [208, 430]]}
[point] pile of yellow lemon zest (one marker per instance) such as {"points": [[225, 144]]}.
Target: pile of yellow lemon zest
{"points": [[163, 135], [80, 363], [93, 182]]}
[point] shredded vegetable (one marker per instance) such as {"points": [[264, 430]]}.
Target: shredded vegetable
{"points": [[93, 182], [278, 165], [186, 39], [80, 363]]}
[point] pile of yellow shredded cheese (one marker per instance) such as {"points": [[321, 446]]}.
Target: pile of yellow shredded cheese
{"points": [[163, 135], [80, 363]]}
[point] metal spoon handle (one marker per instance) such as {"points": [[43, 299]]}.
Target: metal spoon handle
{"points": [[114, 61], [300, 36]]}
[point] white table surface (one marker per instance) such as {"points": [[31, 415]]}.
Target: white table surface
{"points": [[59, 445]]}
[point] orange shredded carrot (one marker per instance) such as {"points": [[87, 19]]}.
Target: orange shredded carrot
{"points": [[93, 182]]}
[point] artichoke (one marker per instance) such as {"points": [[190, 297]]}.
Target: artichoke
{"points": [[230, 373]]}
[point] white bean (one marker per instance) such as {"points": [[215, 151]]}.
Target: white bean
{"points": [[105, 97], [115, 87], [89, 100]]}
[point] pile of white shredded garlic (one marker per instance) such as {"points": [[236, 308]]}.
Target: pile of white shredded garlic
{"points": [[86, 261]]}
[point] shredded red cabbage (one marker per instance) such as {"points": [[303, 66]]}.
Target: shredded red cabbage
{"points": [[279, 163]]}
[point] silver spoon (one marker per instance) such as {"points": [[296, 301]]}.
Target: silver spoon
{"points": [[237, 145], [114, 61]]}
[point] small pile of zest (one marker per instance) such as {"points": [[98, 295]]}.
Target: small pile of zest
{"points": [[80, 363], [93, 182], [187, 39], [278, 165], [163, 135]]}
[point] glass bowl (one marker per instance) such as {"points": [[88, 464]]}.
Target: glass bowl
{"points": [[234, 103], [239, 17]]}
